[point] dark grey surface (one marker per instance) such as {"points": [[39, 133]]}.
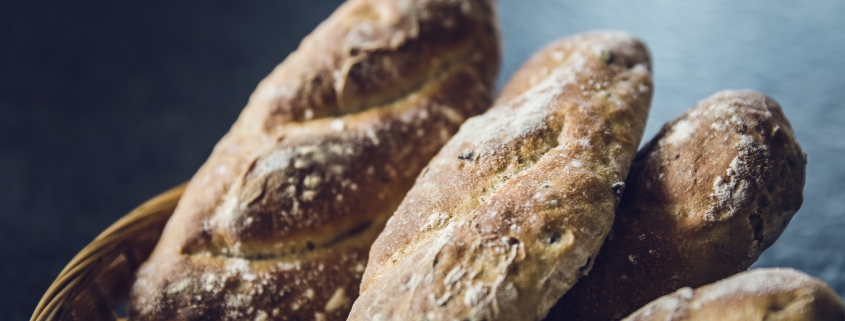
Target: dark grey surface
{"points": [[105, 104]]}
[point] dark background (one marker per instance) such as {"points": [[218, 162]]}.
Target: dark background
{"points": [[104, 104]]}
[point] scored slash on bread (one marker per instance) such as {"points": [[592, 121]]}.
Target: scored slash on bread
{"points": [[277, 224], [704, 198], [760, 294], [510, 212]]}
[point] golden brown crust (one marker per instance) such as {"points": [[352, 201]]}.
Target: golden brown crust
{"points": [[278, 222], [705, 197], [761, 294], [503, 220]]}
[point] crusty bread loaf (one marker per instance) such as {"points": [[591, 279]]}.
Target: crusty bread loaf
{"points": [[277, 224], [761, 294], [509, 213], [705, 197]]}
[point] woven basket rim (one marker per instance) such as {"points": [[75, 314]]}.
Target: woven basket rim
{"points": [[149, 214]]}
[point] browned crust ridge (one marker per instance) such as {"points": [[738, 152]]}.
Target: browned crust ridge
{"points": [[508, 214], [705, 197], [760, 294], [277, 224]]}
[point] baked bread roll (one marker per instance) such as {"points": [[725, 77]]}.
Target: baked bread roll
{"points": [[510, 212], [705, 197], [277, 224], [760, 294]]}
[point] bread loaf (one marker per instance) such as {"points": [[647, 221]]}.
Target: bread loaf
{"points": [[761, 294], [705, 197], [510, 212], [277, 224]]}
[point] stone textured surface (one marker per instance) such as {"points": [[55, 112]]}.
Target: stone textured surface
{"points": [[103, 105]]}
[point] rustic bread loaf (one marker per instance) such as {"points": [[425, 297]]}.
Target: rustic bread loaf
{"points": [[760, 294], [704, 198], [277, 224], [510, 212]]}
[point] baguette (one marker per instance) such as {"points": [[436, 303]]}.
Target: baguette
{"points": [[712, 191], [277, 224], [761, 294], [509, 213]]}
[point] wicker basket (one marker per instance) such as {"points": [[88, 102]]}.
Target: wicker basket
{"points": [[98, 278]]}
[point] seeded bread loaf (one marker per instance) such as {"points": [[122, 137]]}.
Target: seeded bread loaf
{"points": [[277, 224], [705, 197], [761, 294], [509, 213]]}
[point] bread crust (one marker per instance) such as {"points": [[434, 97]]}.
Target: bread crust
{"points": [[506, 217], [760, 294], [277, 224], [705, 197]]}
